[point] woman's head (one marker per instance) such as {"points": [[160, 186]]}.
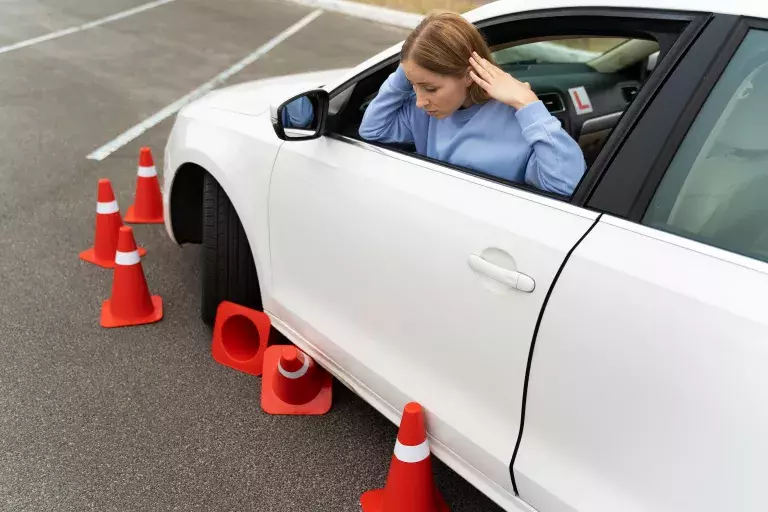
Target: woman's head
{"points": [[435, 58]]}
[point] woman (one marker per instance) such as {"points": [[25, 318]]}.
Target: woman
{"points": [[455, 105]]}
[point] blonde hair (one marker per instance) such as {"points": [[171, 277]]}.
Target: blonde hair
{"points": [[442, 43]]}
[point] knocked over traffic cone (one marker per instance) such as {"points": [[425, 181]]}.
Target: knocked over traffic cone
{"points": [[130, 302], [240, 337], [409, 487], [294, 383], [108, 223], [148, 205]]}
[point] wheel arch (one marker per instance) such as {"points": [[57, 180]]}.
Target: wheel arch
{"points": [[239, 159], [186, 204]]}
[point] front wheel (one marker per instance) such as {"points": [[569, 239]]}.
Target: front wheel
{"points": [[229, 272]]}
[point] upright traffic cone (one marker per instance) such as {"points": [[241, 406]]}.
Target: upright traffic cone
{"points": [[294, 383], [409, 487], [240, 337], [108, 223], [148, 202], [130, 302]]}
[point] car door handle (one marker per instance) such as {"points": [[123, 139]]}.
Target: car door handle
{"points": [[511, 278]]}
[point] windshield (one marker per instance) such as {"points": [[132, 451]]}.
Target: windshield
{"points": [[576, 50]]}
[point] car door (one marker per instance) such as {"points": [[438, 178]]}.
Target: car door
{"points": [[423, 281], [648, 383], [402, 272]]}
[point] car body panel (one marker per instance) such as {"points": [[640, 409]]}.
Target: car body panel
{"points": [[503, 7], [470, 473], [238, 151], [256, 97], [637, 408]]}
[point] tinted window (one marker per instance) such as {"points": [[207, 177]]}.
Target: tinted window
{"points": [[716, 188]]}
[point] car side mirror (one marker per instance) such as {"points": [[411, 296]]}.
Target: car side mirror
{"points": [[302, 117]]}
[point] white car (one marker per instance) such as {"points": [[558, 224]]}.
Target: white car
{"points": [[602, 352]]}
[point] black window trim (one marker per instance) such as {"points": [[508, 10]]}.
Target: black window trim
{"points": [[696, 21]]}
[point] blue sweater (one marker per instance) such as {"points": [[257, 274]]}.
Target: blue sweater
{"points": [[526, 145]]}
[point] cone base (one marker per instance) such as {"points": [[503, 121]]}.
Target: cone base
{"points": [[373, 501], [271, 403], [132, 218], [89, 255], [110, 320]]}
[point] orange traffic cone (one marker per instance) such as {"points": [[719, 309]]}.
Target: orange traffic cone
{"points": [[108, 223], [148, 205], [240, 337], [294, 383], [130, 302], [409, 487]]}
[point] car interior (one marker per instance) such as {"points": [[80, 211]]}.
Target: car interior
{"points": [[612, 79]]}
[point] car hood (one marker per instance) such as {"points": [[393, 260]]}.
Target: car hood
{"points": [[255, 97]]}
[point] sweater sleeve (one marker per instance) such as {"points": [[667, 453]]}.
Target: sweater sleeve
{"points": [[388, 118], [557, 162], [298, 113]]}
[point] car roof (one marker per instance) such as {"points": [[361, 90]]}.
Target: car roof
{"points": [[752, 8]]}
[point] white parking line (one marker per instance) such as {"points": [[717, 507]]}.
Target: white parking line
{"points": [[86, 26], [127, 136], [366, 12]]}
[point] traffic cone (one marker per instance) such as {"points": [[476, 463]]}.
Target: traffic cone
{"points": [[240, 337], [108, 223], [294, 383], [130, 302], [409, 487], [148, 205]]}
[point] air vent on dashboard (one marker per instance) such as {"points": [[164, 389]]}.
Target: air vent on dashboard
{"points": [[629, 92], [553, 101]]}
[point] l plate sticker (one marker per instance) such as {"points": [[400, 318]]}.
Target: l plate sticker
{"points": [[580, 99]]}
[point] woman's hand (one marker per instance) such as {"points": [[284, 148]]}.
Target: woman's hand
{"points": [[499, 85]]}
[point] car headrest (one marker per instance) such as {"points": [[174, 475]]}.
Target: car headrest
{"points": [[745, 125]]}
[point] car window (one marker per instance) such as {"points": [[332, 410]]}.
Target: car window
{"points": [[582, 77], [716, 188], [586, 81]]}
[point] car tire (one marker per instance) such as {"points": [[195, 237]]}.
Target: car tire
{"points": [[228, 270]]}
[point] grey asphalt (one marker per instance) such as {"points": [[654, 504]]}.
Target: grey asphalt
{"points": [[142, 418]]}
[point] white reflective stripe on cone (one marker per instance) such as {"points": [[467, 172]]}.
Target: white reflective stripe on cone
{"points": [[105, 208], [405, 453], [298, 373], [127, 258], [147, 172]]}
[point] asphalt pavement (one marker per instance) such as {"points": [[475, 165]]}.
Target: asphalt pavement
{"points": [[142, 418]]}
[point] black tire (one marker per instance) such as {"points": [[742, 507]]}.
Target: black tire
{"points": [[227, 262]]}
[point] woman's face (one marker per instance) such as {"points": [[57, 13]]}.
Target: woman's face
{"points": [[439, 95]]}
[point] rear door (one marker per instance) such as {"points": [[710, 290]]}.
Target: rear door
{"points": [[648, 388]]}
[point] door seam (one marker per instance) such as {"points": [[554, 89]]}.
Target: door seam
{"points": [[531, 349]]}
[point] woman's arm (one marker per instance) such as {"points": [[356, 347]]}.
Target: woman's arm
{"points": [[557, 163], [388, 118], [298, 113]]}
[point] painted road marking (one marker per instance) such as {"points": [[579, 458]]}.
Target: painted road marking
{"points": [[127, 136], [86, 26]]}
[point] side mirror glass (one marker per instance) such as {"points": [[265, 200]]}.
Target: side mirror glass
{"points": [[301, 117]]}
